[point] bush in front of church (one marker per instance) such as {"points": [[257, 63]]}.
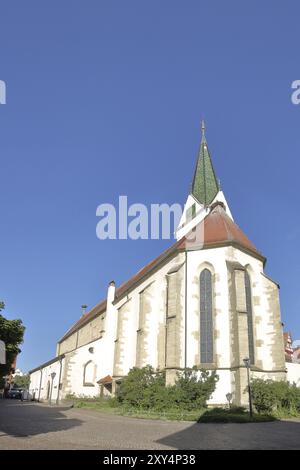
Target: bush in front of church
{"points": [[142, 388], [279, 397], [145, 389], [193, 388]]}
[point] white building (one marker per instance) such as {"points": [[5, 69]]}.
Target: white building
{"points": [[205, 301]]}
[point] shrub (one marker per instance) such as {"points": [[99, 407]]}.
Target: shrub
{"points": [[192, 391], [144, 388], [269, 395], [287, 396], [263, 395]]}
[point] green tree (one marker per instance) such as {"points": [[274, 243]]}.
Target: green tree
{"points": [[12, 333], [21, 381]]}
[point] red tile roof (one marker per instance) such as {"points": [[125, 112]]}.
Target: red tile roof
{"points": [[104, 380], [218, 229]]}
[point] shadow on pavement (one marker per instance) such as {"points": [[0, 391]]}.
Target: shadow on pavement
{"points": [[24, 419], [270, 435]]}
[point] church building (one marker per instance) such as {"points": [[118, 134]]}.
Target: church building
{"points": [[205, 301]]}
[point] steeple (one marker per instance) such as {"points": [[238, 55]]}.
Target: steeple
{"points": [[205, 185], [205, 190]]}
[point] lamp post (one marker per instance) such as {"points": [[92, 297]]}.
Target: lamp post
{"points": [[247, 365], [52, 377]]}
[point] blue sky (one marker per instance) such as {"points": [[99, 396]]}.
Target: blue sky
{"points": [[105, 98]]}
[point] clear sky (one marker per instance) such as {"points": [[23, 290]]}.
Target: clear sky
{"points": [[105, 98]]}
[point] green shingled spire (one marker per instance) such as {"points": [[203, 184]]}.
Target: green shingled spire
{"points": [[205, 186]]}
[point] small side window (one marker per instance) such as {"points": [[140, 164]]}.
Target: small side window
{"points": [[190, 213]]}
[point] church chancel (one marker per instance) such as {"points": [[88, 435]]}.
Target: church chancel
{"points": [[204, 302]]}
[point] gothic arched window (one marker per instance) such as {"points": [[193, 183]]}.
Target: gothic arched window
{"points": [[206, 318], [88, 374], [249, 317]]}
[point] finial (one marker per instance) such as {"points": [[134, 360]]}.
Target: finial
{"points": [[203, 129]]}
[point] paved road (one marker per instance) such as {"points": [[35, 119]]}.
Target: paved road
{"points": [[35, 426]]}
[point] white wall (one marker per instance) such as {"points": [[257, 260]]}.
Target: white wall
{"points": [[293, 373], [75, 365], [158, 309], [41, 381], [223, 387], [34, 384]]}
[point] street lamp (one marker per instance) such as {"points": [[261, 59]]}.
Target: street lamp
{"points": [[247, 365], [52, 377]]}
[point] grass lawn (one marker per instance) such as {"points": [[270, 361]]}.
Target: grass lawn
{"points": [[213, 415], [106, 407]]}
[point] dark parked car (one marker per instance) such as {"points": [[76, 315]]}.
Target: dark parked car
{"points": [[15, 393]]}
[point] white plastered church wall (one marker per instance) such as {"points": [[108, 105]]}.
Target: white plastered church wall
{"points": [[156, 317], [45, 382], [83, 368]]}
